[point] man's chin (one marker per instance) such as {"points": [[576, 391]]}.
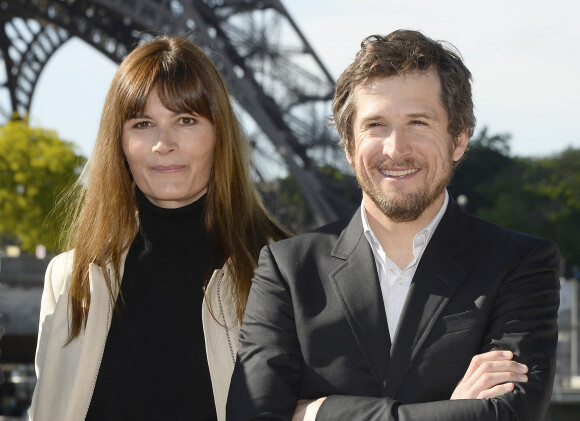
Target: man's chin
{"points": [[403, 207]]}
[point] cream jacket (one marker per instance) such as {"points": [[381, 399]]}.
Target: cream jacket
{"points": [[67, 374]]}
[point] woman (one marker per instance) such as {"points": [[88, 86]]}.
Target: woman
{"points": [[167, 208]]}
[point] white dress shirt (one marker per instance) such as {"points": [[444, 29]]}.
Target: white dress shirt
{"points": [[394, 281]]}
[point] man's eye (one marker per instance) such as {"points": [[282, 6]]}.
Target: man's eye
{"points": [[418, 122]]}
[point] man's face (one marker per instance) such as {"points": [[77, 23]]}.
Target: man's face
{"points": [[403, 156]]}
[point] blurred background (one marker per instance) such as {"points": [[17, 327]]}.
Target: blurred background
{"points": [[280, 60]]}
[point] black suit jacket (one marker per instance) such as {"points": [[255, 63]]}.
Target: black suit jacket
{"points": [[315, 325]]}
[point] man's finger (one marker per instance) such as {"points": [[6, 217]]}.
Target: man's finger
{"points": [[480, 359], [490, 380], [498, 390]]}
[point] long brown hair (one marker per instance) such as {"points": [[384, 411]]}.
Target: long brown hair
{"points": [[103, 222]]}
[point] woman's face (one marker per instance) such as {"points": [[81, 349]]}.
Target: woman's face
{"points": [[170, 154]]}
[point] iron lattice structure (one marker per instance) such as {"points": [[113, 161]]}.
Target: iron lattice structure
{"points": [[270, 68]]}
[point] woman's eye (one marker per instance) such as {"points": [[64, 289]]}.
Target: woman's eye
{"points": [[142, 124], [187, 121]]}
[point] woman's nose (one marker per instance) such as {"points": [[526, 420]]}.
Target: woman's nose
{"points": [[164, 142]]}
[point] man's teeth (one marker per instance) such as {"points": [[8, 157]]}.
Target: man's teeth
{"points": [[391, 173]]}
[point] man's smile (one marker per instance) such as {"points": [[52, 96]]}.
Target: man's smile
{"points": [[398, 173]]}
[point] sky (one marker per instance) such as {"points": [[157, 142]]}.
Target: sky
{"points": [[523, 55]]}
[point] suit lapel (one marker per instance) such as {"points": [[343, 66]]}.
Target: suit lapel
{"points": [[356, 284], [438, 276]]}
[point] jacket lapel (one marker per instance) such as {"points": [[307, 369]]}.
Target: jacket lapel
{"points": [[438, 276], [356, 284]]}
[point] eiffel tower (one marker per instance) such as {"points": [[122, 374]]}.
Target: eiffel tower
{"points": [[271, 70]]}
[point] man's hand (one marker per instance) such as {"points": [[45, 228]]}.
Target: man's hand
{"points": [[489, 375], [306, 410]]}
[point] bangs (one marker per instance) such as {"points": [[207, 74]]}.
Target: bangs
{"points": [[184, 95], [178, 85]]}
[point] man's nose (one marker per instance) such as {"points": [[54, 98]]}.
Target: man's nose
{"points": [[397, 145]]}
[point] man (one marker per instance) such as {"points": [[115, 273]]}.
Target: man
{"points": [[412, 309]]}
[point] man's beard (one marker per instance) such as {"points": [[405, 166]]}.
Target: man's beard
{"points": [[405, 207]]}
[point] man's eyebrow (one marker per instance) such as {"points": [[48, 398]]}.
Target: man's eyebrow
{"points": [[378, 117], [426, 115], [372, 117]]}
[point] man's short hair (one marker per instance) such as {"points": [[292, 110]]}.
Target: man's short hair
{"points": [[395, 54]]}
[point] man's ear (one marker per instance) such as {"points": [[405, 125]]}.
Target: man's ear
{"points": [[349, 158], [460, 145]]}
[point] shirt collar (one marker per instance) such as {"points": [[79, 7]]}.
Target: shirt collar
{"points": [[423, 237]]}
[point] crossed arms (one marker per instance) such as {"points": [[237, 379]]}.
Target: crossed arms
{"points": [[489, 375]]}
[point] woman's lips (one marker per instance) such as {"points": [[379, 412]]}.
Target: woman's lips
{"points": [[168, 168]]}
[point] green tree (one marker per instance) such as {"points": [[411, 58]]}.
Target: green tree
{"points": [[538, 196], [541, 196], [487, 158], [35, 168], [288, 204]]}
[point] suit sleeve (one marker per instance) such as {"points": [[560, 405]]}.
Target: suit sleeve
{"points": [[267, 374], [524, 321]]}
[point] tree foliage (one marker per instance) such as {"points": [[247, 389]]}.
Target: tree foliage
{"points": [[291, 208], [538, 196], [35, 168], [541, 196], [486, 158]]}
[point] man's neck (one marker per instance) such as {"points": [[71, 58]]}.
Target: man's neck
{"points": [[396, 238]]}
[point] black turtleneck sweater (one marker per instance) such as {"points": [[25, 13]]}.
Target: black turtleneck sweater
{"points": [[154, 366]]}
